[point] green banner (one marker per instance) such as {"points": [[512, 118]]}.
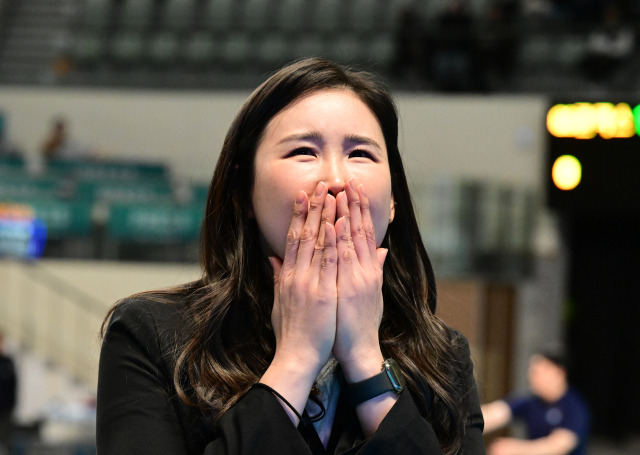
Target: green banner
{"points": [[62, 218], [107, 169], [155, 222]]}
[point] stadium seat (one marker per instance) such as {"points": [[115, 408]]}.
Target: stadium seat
{"points": [[199, 49], [178, 15], [309, 45], [274, 49], [127, 47], [291, 16], [95, 15], [237, 49], [136, 14], [220, 15], [256, 16], [363, 15], [380, 49], [347, 49], [329, 16], [88, 49], [163, 48]]}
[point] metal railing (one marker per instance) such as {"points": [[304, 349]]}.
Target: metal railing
{"points": [[51, 317]]}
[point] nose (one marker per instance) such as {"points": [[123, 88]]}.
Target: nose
{"points": [[335, 174]]}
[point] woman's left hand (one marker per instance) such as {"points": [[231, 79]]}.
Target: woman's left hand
{"points": [[360, 303]]}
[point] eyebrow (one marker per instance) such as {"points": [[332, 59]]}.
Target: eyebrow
{"points": [[361, 140], [311, 136]]}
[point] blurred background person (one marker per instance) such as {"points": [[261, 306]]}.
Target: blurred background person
{"points": [[609, 45], [7, 149], [454, 49], [59, 145], [498, 44], [556, 417], [410, 56]]}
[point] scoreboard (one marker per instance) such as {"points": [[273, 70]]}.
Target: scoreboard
{"points": [[593, 158]]}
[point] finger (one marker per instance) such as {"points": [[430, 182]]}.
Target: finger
{"points": [[381, 255], [300, 208], [357, 228], [328, 216], [342, 205], [329, 262], [309, 234], [344, 247], [367, 221], [343, 238], [276, 264]]}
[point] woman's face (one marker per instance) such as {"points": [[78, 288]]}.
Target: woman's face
{"points": [[329, 136]]}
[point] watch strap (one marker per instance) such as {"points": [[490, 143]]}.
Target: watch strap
{"points": [[359, 392]]}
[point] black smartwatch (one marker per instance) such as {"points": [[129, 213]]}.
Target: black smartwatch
{"points": [[390, 379]]}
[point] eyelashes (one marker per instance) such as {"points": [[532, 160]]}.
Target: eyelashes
{"points": [[361, 154], [301, 151], [308, 151]]}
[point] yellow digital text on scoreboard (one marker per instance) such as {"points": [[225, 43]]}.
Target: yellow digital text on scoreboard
{"points": [[588, 120]]}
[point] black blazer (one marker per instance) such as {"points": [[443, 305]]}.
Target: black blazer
{"points": [[139, 412]]}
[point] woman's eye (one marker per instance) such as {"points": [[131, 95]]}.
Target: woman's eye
{"points": [[302, 151], [360, 154]]}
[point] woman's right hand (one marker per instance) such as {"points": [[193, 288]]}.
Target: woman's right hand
{"points": [[305, 297]]}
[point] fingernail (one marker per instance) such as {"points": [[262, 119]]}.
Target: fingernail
{"points": [[320, 188], [300, 197], [352, 184]]}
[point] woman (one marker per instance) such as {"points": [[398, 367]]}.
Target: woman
{"points": [[314, 273]]}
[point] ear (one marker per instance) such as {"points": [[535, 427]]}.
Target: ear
{"points": [[392, 209]]}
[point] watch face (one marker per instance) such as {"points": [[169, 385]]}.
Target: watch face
{"points": [[395, 375]]}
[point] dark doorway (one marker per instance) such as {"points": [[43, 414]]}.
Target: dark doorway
{"points": [[603, 315]]}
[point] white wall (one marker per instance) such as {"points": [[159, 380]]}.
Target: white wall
{"points": [[489, 138], [184, 129], [496, 137]]}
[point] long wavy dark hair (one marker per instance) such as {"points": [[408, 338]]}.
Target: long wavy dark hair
{"points": [[228, 341]]}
